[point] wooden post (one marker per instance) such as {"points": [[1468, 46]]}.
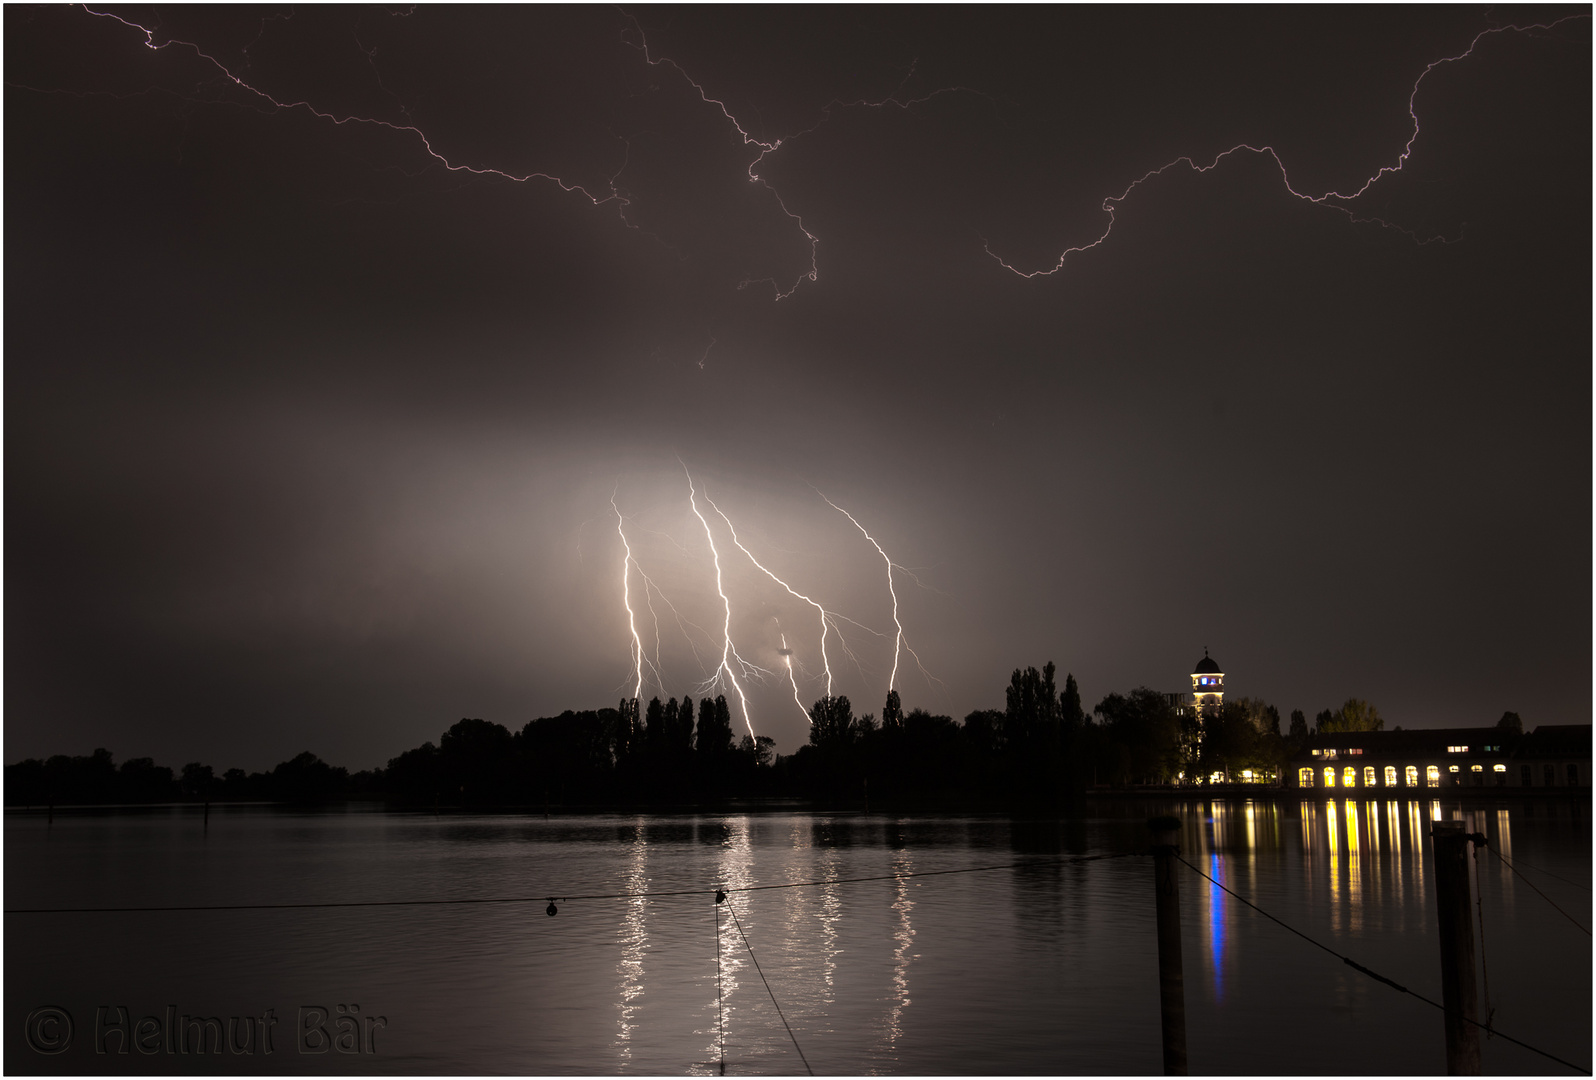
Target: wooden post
{"points": [[1457, 947], [1171, 982]]}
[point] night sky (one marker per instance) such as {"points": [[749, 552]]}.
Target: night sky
{"points": [[311, 441]]}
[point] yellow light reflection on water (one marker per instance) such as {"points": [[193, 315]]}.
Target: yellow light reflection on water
{"points": [[1354, 867], [1335, 861], [1394, 826]]}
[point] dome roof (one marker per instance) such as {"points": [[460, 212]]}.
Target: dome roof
{"points": [[1206, 666]]}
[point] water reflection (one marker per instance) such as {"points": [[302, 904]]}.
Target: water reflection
{"points": [[903, 939], [633, 940], [1216, 924], [1354, 869], [733, 871]]}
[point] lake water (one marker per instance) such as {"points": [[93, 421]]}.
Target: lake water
{"points": [[1019, 970]]}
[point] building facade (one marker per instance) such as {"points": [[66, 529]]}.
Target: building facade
{"points": [[1552, 756]]}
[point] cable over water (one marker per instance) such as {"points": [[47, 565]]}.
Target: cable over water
{"points": [[1351, 963], [1543, 896], [544, 898]]}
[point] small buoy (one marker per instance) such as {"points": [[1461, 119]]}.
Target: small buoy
{"points": [[720, 896], [551, 909]]}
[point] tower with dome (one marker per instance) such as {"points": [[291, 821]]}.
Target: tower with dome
{"points": [[1207, 686]]}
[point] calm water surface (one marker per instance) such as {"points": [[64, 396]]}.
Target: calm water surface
{"points": [[1031, 970]]}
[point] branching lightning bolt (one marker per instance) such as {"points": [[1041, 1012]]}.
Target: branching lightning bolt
{"points": [[727, 651], [614, 196], [1330, 199], [767, 148], [824, 660]]}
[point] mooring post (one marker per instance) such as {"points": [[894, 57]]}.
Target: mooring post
{"points": [[1171, 983], [1457, 947]]}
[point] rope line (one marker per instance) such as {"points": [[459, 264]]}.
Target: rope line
{"points": [[1538, 893], [736, 922], [562, 899], [1347, 960], [1543, 870]]}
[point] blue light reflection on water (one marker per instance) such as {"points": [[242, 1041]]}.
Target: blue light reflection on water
{"points": [[1216, 924]]}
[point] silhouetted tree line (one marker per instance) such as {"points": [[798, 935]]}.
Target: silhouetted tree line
{"points": [[1032, 751], [673, 753], [669, 754], [1041, 748], [98, 780]]}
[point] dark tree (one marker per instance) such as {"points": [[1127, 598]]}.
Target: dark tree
{"points": [[1143, 737], [1299, 726], [479, 762], [831, 722], [682, 734], [892, 712], [306, 778], [1510, 724], [654, 725], [714, 740], [983, 732], [1030, 721], [198, 781], [1070, 712], [1355, 715], [628, 736]]}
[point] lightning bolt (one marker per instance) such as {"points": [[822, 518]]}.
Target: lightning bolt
{"points": [[765, 149], [727, 651], [824, 660], [1111, 204], [762, 147], [787, 655], [340, 120], [897, 647], [639, 658]]}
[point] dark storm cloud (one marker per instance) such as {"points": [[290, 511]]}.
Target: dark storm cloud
{"points": [[310, 441]]}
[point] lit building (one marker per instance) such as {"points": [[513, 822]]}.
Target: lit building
{"points": [[1549, 757], [1207, 687]]}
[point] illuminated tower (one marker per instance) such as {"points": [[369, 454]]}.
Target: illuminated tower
{"points": [[1207, 686]]}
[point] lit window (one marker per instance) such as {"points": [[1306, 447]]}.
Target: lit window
{"points": [[1498, 768], [1329, 777], [1354, 751], [1368, 776], [1474, 768], [1349, 777], [1457, 749], [1432, 775], [1451, 768], [1305, 777], [1412, 776], [1316, 753], [1329, 753]]}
